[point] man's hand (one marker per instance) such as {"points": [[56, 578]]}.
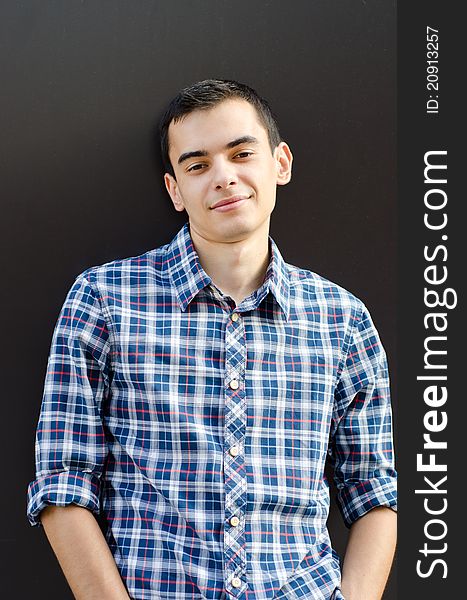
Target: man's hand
{"points": [[369, 555]]}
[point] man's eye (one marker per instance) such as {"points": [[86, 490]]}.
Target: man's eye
{"points": [[244, 154], [196, 167]]}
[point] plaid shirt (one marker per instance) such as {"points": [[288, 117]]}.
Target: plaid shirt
{"points": [[199, 430]]}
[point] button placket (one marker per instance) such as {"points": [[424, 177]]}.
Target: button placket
{"points": [[234, 459]]}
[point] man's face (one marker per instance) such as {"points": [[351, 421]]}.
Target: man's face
{"points": [[220, 154]]}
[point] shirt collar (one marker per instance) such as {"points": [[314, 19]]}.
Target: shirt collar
{"points": [[188, 276]]}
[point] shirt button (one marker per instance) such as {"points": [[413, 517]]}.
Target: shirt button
{"points": [[235, 317], [234, 384], [234, 451], [234, 521], [236, 582]]}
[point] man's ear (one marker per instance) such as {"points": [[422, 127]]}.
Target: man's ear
{"points": [[172, 187], [284, 159]]}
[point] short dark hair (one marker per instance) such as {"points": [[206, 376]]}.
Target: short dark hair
{"points": [[206, 94]]}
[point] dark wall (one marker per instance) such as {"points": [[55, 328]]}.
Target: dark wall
{"points": [[83, 84]]}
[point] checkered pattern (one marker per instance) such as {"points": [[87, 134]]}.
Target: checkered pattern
{"points": [[200, 430]]}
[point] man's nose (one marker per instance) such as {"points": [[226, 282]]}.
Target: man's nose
{"points": [[223, 174]]}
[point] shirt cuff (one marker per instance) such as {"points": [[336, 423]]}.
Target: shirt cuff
{"points": [[61, 489], [357, 499]]}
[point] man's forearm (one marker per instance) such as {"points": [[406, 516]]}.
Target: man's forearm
{"points": [[369, 555], [83, 553]]}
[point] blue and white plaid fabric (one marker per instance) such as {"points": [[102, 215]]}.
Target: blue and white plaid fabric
{"points": [[200, 430]]}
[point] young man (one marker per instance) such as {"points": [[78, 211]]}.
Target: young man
{"points": [[194, 393]]}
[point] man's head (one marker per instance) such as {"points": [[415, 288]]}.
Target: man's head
{"points": [[206, 94], [220, 142]]}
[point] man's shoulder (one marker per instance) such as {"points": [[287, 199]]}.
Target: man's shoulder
{"points": [[309, 285], [140, 267]]}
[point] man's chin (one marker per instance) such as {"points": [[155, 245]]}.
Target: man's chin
{"points": [[229, 230], [235, 231]]}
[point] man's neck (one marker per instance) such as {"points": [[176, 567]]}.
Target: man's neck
{"points": [[236, 268]]}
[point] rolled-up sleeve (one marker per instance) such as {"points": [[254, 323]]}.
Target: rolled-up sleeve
{"points": [[362, 438], [70, 447]]}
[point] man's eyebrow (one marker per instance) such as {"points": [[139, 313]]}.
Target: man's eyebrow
{"points": [[245, 139], [194, 153]]}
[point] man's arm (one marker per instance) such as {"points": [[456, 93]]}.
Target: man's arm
{"points": [[83, 553], [363, 454], [71, 447], [369, 555]]}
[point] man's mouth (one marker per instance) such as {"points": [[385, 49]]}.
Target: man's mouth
{"points": [[231, 200]]}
